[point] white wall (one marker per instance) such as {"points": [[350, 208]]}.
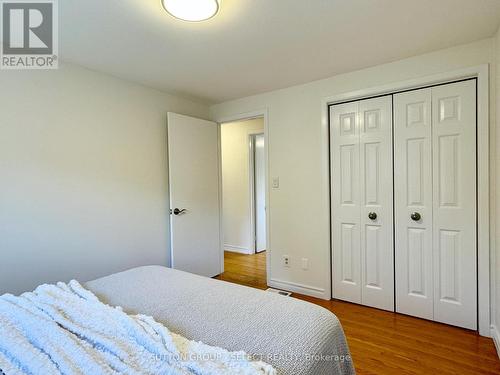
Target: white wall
{"points": [[299, 210], [236, 183], [83, 175]]}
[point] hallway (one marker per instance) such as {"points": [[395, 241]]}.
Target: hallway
{"points": [[249, 270]]}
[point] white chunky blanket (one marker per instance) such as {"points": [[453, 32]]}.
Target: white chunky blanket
{"points": [[65, 329]]}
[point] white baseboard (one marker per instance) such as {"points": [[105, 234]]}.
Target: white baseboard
{"points": [[298, 288], [495, 335], [238, 249]]}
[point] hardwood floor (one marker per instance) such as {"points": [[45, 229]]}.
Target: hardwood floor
{"points": [[382, 342], [249, 270]]}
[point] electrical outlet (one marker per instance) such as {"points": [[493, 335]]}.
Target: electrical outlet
{"points": [[276, 182], [305, 264], [286, 261]]}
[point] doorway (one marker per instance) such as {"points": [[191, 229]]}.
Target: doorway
{"points": [[258, 190], [243, 161]]}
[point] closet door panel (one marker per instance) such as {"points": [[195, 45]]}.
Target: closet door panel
{"points": [[346, 267], [454, 191], [377, 248], [413, 198]]}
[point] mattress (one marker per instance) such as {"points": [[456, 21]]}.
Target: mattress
{"points": [[294, 336]]}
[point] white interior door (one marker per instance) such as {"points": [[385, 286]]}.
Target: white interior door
{"points": [[376, 187], [346, 259], [454, 191], [413, 203], [260, 193], [193, 160], [435, 198], [362, 191]]}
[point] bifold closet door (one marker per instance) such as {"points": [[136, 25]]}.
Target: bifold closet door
{"points": [[413, 203], [435, 198], [376, 188], [362, 218], [346, 209], [454, 209]]}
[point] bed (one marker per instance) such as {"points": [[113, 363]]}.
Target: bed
{"points": [[296, 337]]}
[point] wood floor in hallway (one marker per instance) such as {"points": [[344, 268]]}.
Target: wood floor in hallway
{"points": [[382, 342], [249, 270]]}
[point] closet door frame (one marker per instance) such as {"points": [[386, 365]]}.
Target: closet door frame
{"points": [[481, 74]]}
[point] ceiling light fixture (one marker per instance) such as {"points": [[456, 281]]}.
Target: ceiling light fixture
{"points": [[192, 10]]}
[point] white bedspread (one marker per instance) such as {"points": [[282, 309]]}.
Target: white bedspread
{"points": [[64, 328]]}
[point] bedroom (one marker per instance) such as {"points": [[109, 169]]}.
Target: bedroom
{"points": [[95, 151]]}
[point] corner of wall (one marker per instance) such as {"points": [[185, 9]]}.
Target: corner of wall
{"points": [[495, 335], [495, 206]]}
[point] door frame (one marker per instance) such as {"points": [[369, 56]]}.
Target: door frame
{"points": [[481, 73], [262, 113], [253, 198]]}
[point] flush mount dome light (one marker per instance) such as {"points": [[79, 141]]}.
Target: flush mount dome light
{"points": [[192, 10]]}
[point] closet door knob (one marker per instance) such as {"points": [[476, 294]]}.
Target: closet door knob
{"points": [[372, 215], [415, 216]]}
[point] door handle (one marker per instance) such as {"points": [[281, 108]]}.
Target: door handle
{"points": [[415, 216], [372, 216], [177, 211]]}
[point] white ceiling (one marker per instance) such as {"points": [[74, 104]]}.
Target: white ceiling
{"points": [[253, 46]]}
